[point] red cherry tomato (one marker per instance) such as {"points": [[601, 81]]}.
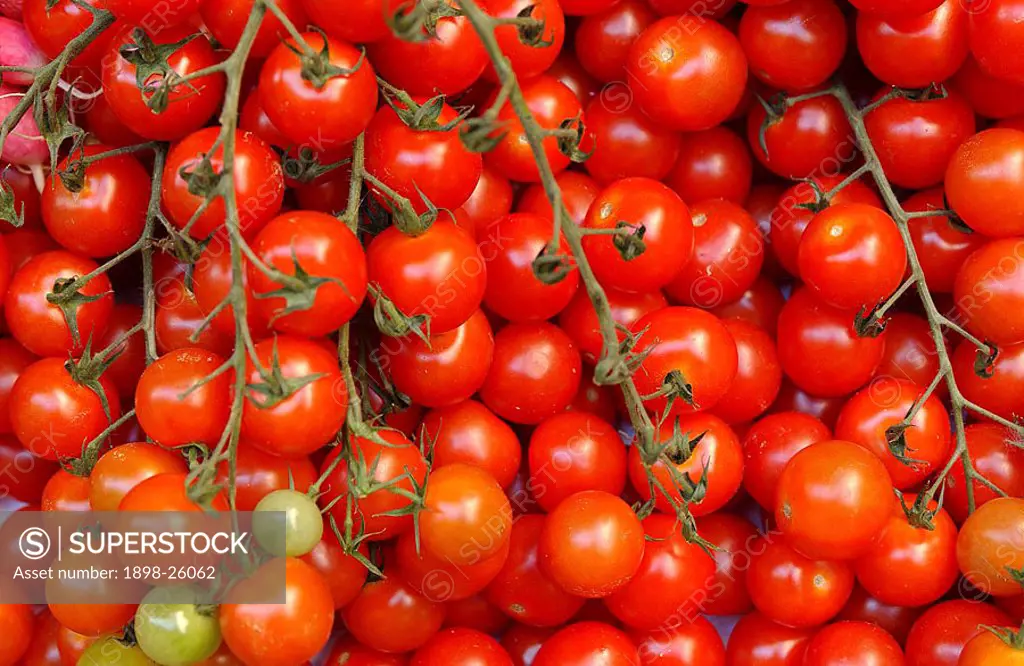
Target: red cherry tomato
{"points": [[528, 60], [603, 38], [861, 641], [578, 191], [628, 144], [941, 247], [984, 181], [811, 138], [713, 164], [758, 374], [468, 432]]}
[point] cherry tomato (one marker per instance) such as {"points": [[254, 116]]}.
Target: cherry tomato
{"points": [[585, 643], [187, 106], [725, 592], [120, 469], [989, 96], [989, 548], [1000, 393], [226, 21], [257, 174], [579, 318], [758, 374], [389, 616], [995, 456], [212, 277], [522, 642], [812, 137], [308, 111], [628, 144], [51, 28], [760, 305], [996, 38], [897, 620], [691, 59], [439, 579], [528, 61], [939, 635], [345, 575], [13, 360], [535, 373], [759, 641], [989, 648], [984, 181], [41, 326], [93, 619], [362, 21], [347, 651], [491, 199], [460, 647], [770, 444], [603, 38], [467, 517], [65, 492], [468, 432], [862, 642], [829, 481], [257, 474], [323, 247], [941, 247], [713, 164]]}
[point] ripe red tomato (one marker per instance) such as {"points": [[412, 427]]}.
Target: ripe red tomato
{"points": [[528, 61], [51, 28], [861, 642], [398, 459], [793, 590], [111, 205], [324, 248], [324, 116], [389, 616], [522, 642], [989, 547], [54, 416], [770, 444], [535, 373], [794, 46], [122, 468], [897, 620], [226, 21], [994, 454], [258, 178], [173, 410], [257, 474], [345, 575], [292, 421], [628, 144], [579, 318], [939, 635], [689, 58], [989, 648], [914, 51], [421, 165], [212, 277], [941, 247], [445, 62], [680, 644], [672, 575], [509, 246], [126, 369], [759, 305], [448, 369], [869, 414], [40, 326], [988, 291], [694, 343], [439, 579], [551, 102], [603, 38], [578, 191], [363, 21], [491, 199], [572, 452], [300, 626], [996, 38], [759, 641], [23, 244], [827, 482], [93, 619], [819, 349], [461, 647], [189, 107], [727, 257], [713, 164], [521, 590], [915, 139], [794, 399], [440, 274], [350, 652], [758, 374], [989, 96], [13, 360], [466, 516], [725, 592], [718, 451], [984, 182], [1002, 392], [468, 432], [585, 643], [910, 351], [812, 137]]}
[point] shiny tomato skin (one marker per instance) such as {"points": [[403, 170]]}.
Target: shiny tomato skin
{"points": [[940, 634], [819, 349], [201, 415], [258, 178], [51, 28], [124, 467], [168, 491], [681, 644], [603, 39], [796, 591], [107, 215], [995, 456], [257, 474], [585, 643], [535, 373], [727, 257], [14, 359], [572, 452], [862, 642], [989, 96], [770, 444], [910, 352], [897, 620], [527, 61], [759, 305], [915, 139], [712, 164], [628, 144], [984, 181], [389, 616], [867, 416], [825, 482], [941, 248], [1002, 392], [448, 369], [466, 517], [491, 199], [579, 318], [988, 547], [460, 647], [40, 326], [345, 575], [327, 117], [447, 62], [188, 108], [421, 165], [53, 416], [521, 589], [212, 277], [225, 19], [914, 51], [812, 137], [996, 38], [725, 591], [693, 342], [65, 492], [438, 579], [671, 575], [126, 369], [509, 246], [988, 292], [363, 21], [988, 648], [467, 432], [324, 247], [794, 46], [758, 374], [759, 641], [669, 61], [719, 449], [440, 273]]}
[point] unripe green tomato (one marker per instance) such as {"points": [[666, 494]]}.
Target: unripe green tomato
{"points": [[110, 652], [176, 634], [303, 524]]}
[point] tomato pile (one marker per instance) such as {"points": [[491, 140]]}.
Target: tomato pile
{"points": [[563, 333]]}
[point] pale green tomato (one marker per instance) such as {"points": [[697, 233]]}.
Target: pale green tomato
{"points": [[303, 524], [110, 652], [176, 634]]}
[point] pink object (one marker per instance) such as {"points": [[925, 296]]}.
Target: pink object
{"points": [[11, 8], [17, 49]]}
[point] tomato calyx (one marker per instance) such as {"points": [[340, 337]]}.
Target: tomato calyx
{"points": [[896, 439], [8, 212], [868, 323], [419, 117], [55, 126], [1017, 575], [551, 266], [1014, 639], [481, 134], [275, 387], [154, 76], [417, 21], [673, 387], [202, 179], [404, 216], [316, 65], [529, 29], [66, 295], [298, 290], [305, 167], [984, 360], [676, 450], [570, 136], [920, 514], [392, 322]]}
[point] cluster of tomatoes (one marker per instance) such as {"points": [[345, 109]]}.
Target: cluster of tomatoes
{"points": [[762, 260]]}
